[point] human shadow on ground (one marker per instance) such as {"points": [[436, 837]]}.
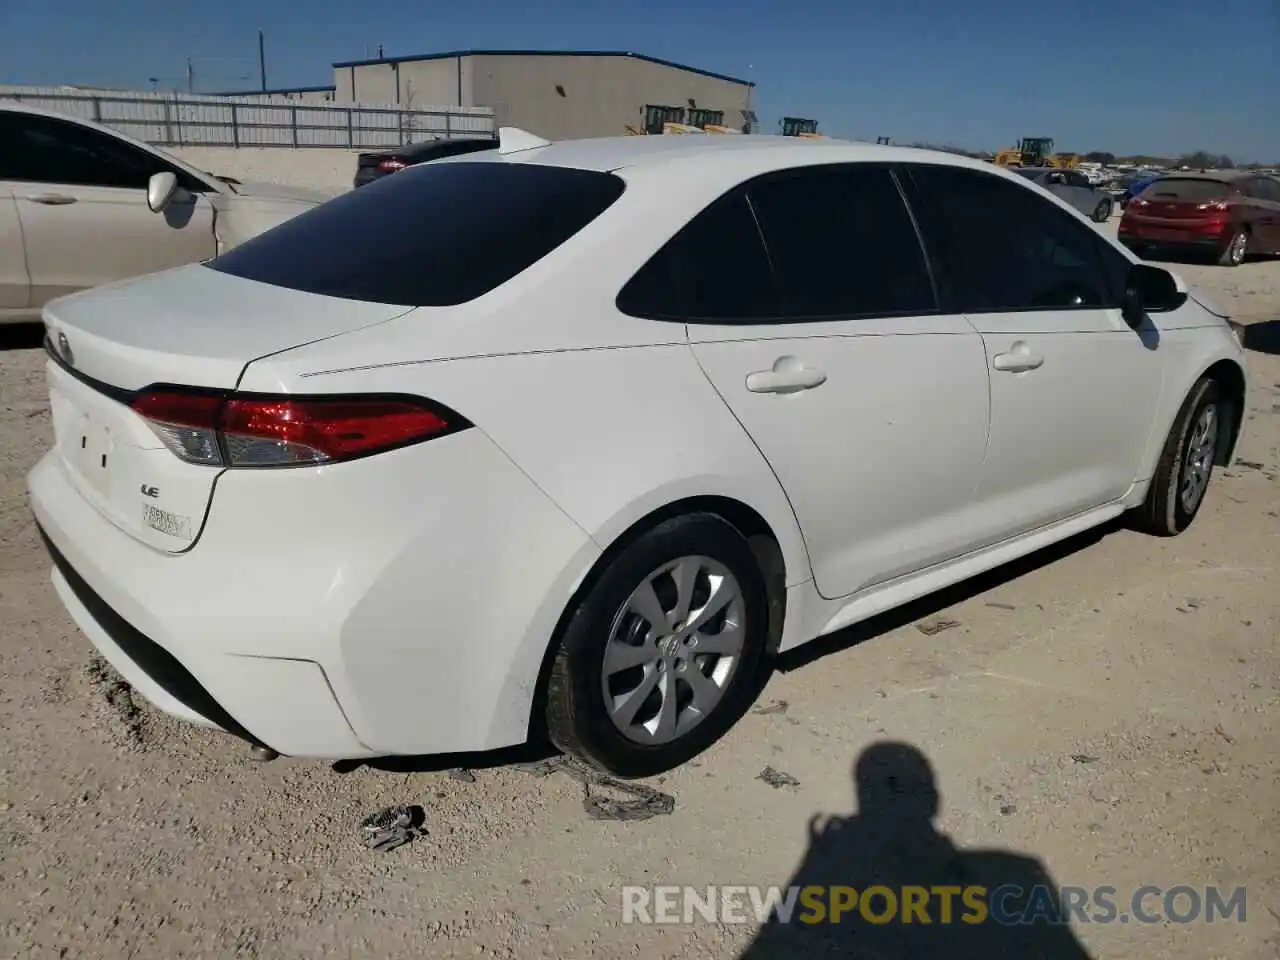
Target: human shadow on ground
{"points": [[891, 843], [1263, 337]]}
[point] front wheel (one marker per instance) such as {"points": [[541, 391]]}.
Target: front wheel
{"points": [[664, 652], [1186, 463], [1102, 212]]}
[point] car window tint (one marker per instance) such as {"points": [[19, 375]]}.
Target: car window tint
{"points": [[1187, 188], [842, 243], [1001, 246], [434, 235], [38, 149], [1077, 179], [715, 269]]}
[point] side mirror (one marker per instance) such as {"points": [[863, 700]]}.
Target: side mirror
{"points": [[1151, 290], [160, 191]]}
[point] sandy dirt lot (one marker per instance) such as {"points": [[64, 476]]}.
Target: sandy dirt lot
{"points": [[1107, 714]]}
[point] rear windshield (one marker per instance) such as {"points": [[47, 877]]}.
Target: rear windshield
{"points": [[433, 236], [1187, 188]]}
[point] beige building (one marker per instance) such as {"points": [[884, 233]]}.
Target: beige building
{"points": [[558, 94]]}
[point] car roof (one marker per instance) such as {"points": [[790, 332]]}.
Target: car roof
{"points": [[428, 147], [1221, 175], [607, 154]]}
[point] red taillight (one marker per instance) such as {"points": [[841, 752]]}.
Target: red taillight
{"points": [[391, 166], [273, 431]]}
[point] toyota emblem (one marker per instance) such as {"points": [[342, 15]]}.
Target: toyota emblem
{"points": [[64, 348]]}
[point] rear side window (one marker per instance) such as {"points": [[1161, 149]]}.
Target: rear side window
{"points": [[842, 242], [1002, 247], [436, 235], [715, 269], [1187, 188]]}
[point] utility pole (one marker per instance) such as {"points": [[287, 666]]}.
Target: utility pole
{"points": [[262, 61], [191, 77]]}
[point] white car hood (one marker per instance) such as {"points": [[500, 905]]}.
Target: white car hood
{"points": [[262, 190], [241, 216]]}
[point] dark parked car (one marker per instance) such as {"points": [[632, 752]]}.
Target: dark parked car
{"points": [[371, 166], [1074, 188], [1227, 214], [1133, 185]]}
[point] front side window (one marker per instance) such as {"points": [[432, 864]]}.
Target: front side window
{"points": [[1002, 247], [438, 234], [842, 243], [38, 149]]}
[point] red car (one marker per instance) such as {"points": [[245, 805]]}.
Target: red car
{"points": [[1228, 214]]}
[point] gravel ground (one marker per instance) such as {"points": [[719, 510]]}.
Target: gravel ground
{"points": [[1109, 710]]}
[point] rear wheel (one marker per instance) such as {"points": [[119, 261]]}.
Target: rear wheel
{"points": [[665, 651], [1102, 212], [1235, 251], [1186, 463]]}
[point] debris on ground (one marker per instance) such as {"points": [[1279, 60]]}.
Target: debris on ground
{"points": [[463, 774], [1249, 464], [1223, 734], [1001, 606], [773, 706], [641, 802], [931, 627], [392, 827], [777, 779], [1083, 758]]}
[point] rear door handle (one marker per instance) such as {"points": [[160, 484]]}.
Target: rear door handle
{"points": [[52, 199], [1018, 360], [789, 375]]}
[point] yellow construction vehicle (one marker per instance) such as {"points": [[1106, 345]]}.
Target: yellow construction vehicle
{"points": [[799, 127], [1035, 152]]}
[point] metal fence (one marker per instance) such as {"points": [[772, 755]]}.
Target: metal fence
{"points": [[171, 119]]}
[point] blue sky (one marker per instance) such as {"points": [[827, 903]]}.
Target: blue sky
{"points": [[1162, 77]]}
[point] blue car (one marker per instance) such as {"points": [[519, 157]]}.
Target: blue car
{"points": [[1140, 183]]}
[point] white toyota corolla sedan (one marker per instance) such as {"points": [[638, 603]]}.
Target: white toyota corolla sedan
{"points": [[570, 439]]}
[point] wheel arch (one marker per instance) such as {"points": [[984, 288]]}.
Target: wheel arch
{"points": [[1230, 378], [760, 534]]}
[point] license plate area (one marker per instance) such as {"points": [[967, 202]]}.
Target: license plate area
{"points": [[121, 468]]}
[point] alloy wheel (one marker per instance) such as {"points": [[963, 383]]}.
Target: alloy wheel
{"points": [[673, 649], [1198, 461]]}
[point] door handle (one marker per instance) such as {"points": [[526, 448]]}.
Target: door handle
{"points": [[52, 199], [1018, 360], [789, 375]]}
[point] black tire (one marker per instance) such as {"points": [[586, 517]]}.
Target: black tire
{"points": [[1235, 251], [1102, 212], [578, 721], [1164, 513]]}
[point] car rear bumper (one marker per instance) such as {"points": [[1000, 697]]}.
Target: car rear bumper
{"points": [[1189, 236], [333, 612]]}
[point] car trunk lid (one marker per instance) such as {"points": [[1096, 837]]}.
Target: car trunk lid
{"points": [[193, 327]]}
